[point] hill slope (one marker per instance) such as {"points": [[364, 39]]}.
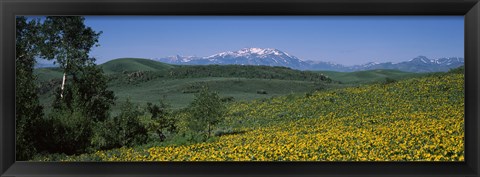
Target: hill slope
{"points": [[419, 119], [143, 80], [369, 76], [133, 64]]}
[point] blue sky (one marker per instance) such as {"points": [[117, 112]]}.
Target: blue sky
{"points": [[347, 40]]}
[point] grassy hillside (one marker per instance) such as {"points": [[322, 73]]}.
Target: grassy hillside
{"points": [[180, 92], [116, 66], [418, 119], [143, 80], [369, 76], [133, 64]]}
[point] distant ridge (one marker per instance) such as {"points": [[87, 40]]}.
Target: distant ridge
{"points": [[275, 57]]}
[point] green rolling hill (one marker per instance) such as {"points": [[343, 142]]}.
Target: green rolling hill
{"points": [[133, 64], [143, 80]]}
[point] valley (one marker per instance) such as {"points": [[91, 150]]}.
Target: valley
{"points": [[143, 80]]}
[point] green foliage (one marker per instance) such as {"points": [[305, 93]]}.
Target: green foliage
{"points": [[163, 122], [77, 115], [190, 137], [49, 157], [89, 91], [28, 110], [65, 131], [94, 96], [130, 131], [206, 110], [459, 70], [389, 80], [228, 131], [245, 71], [261, 92], [227, 99], [122, 130], [68, 41], [80, 103]]}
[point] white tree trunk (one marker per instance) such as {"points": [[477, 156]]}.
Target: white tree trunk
{"points": [[63, 84], [63, 81]]}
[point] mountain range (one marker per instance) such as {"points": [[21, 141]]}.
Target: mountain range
{"points": [[275, 57]]}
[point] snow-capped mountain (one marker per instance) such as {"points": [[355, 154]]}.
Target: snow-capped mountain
{"points": [[275, 57], [325, 66], [177, 59], [419, 64], [246, 56]]}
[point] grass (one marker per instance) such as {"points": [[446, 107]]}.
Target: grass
{"points": [[369, 76], [133, 64], [180, 92], [241, 83], [417, 119], [413, 119]]}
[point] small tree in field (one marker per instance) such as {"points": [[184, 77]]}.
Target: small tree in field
{"points": [[162, 119], [207, 110]]}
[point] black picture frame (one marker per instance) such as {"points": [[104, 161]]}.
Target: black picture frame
{"points": [[10, 8]]}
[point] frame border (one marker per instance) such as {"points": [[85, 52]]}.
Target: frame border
{"points": [[10, 8]]}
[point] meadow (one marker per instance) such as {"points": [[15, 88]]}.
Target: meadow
{"points": [[418, 118], [143, 80]]}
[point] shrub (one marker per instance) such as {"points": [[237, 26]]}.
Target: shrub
{"points": [[122, 130], [228, 131], [162, 122], [389, 80], [228, 99], [261, 91], [64, 131]]}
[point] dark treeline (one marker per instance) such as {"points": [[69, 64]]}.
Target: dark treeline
{"points": [[246, 71], [238, 71]]}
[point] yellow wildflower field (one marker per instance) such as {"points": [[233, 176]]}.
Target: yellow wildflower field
{"points": [[419, 119]]}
